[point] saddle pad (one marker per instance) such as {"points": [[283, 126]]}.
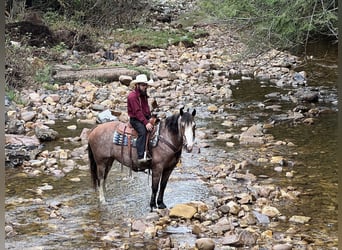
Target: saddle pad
{"points": [[122, 139]]}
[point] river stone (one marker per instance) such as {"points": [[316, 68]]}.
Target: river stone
{"points": [[182, 211], [270, 211], [282, 247], [125, 80], [262, 218], [212, 108], [45, 133], [223, 225], [106, 116], [253, 135], [234, 208], [138, 225], [205, 244], [150, 232], [277, 159], [28, 115], [72, 127], [300, 219]]}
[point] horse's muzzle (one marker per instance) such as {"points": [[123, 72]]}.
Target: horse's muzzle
{"points": [[188, 148]]}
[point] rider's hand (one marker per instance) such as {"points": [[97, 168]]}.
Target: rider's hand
{"points": [[149, 127]]}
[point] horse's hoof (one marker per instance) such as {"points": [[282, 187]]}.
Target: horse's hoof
{"points": [[161, 206], [103, 202]]}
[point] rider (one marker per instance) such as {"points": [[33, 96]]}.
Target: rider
{"points": [[139, 113]]}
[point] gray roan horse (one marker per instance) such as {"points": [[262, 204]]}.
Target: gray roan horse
{"points": [[175, 132]]}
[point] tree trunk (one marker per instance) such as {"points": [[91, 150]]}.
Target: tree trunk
{"points": [[102, 74]]}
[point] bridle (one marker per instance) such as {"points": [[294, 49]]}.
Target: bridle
{"points": [[173, 147]]}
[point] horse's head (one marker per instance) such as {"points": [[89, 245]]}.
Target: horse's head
{"points": [[188, 126]]}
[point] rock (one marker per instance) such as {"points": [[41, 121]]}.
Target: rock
{"points": [[28, 115], [205, 244], [72, 127], [223, 225], [253, 135], [20, 148], [183, 211], [262, 218], [150, 232], [270, 211], [15, 126], [125, 80], [139, 225], [44, 133], [230, 239], [300, 219], [234, 208], [106, 116], [212, 108], [282, 247]]}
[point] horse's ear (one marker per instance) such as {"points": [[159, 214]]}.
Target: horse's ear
{"points": [[194, 112], [181, 111]]}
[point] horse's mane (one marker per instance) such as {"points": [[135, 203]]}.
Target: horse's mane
{"points": [[171, 123]]}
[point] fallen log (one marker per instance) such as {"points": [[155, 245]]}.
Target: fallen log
{"points": [[102, 74]]}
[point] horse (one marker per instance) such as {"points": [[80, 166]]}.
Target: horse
{"points": [[175, 133]]}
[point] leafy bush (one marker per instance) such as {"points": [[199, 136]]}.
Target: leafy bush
{"points": [[279, 23]]}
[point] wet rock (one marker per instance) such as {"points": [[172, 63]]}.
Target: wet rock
{"points": [[182, 211], [299, 219], [282, 247], [234, 208], [28, 115], [150, 232], [20, 148], [15, 126], [223, 225], [262, 218], [44, 133], [111, 236], [205, 244], [270, 211], [212, 108], [253, 135]]}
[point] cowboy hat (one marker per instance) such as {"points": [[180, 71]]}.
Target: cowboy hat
{"points": [[142, 78]]}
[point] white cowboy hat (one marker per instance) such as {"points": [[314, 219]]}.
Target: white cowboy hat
{"points": [[142, 78]]}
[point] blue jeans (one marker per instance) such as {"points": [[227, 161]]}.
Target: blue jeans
{"points": [[141, 140]]}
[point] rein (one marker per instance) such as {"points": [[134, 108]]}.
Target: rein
{"points": [[174, 149], [171, 146]]}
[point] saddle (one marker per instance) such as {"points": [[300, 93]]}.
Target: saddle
{"points": [[125, 134], [126, 128]]}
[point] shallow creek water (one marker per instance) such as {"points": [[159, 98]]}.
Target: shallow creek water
{"points": [[80, 221]]}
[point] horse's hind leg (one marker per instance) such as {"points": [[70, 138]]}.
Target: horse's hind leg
{"points": [[102, 174], [101, 192]]}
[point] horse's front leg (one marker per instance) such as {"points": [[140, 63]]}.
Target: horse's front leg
{"points": [[156, 174], [163, 182]]}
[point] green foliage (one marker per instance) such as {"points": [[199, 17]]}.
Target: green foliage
{"points": [[13, 96], [281, 23], [43, 76], [59, 48]]}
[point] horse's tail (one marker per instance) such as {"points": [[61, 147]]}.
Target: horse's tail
{"points": [[93, 167]]}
